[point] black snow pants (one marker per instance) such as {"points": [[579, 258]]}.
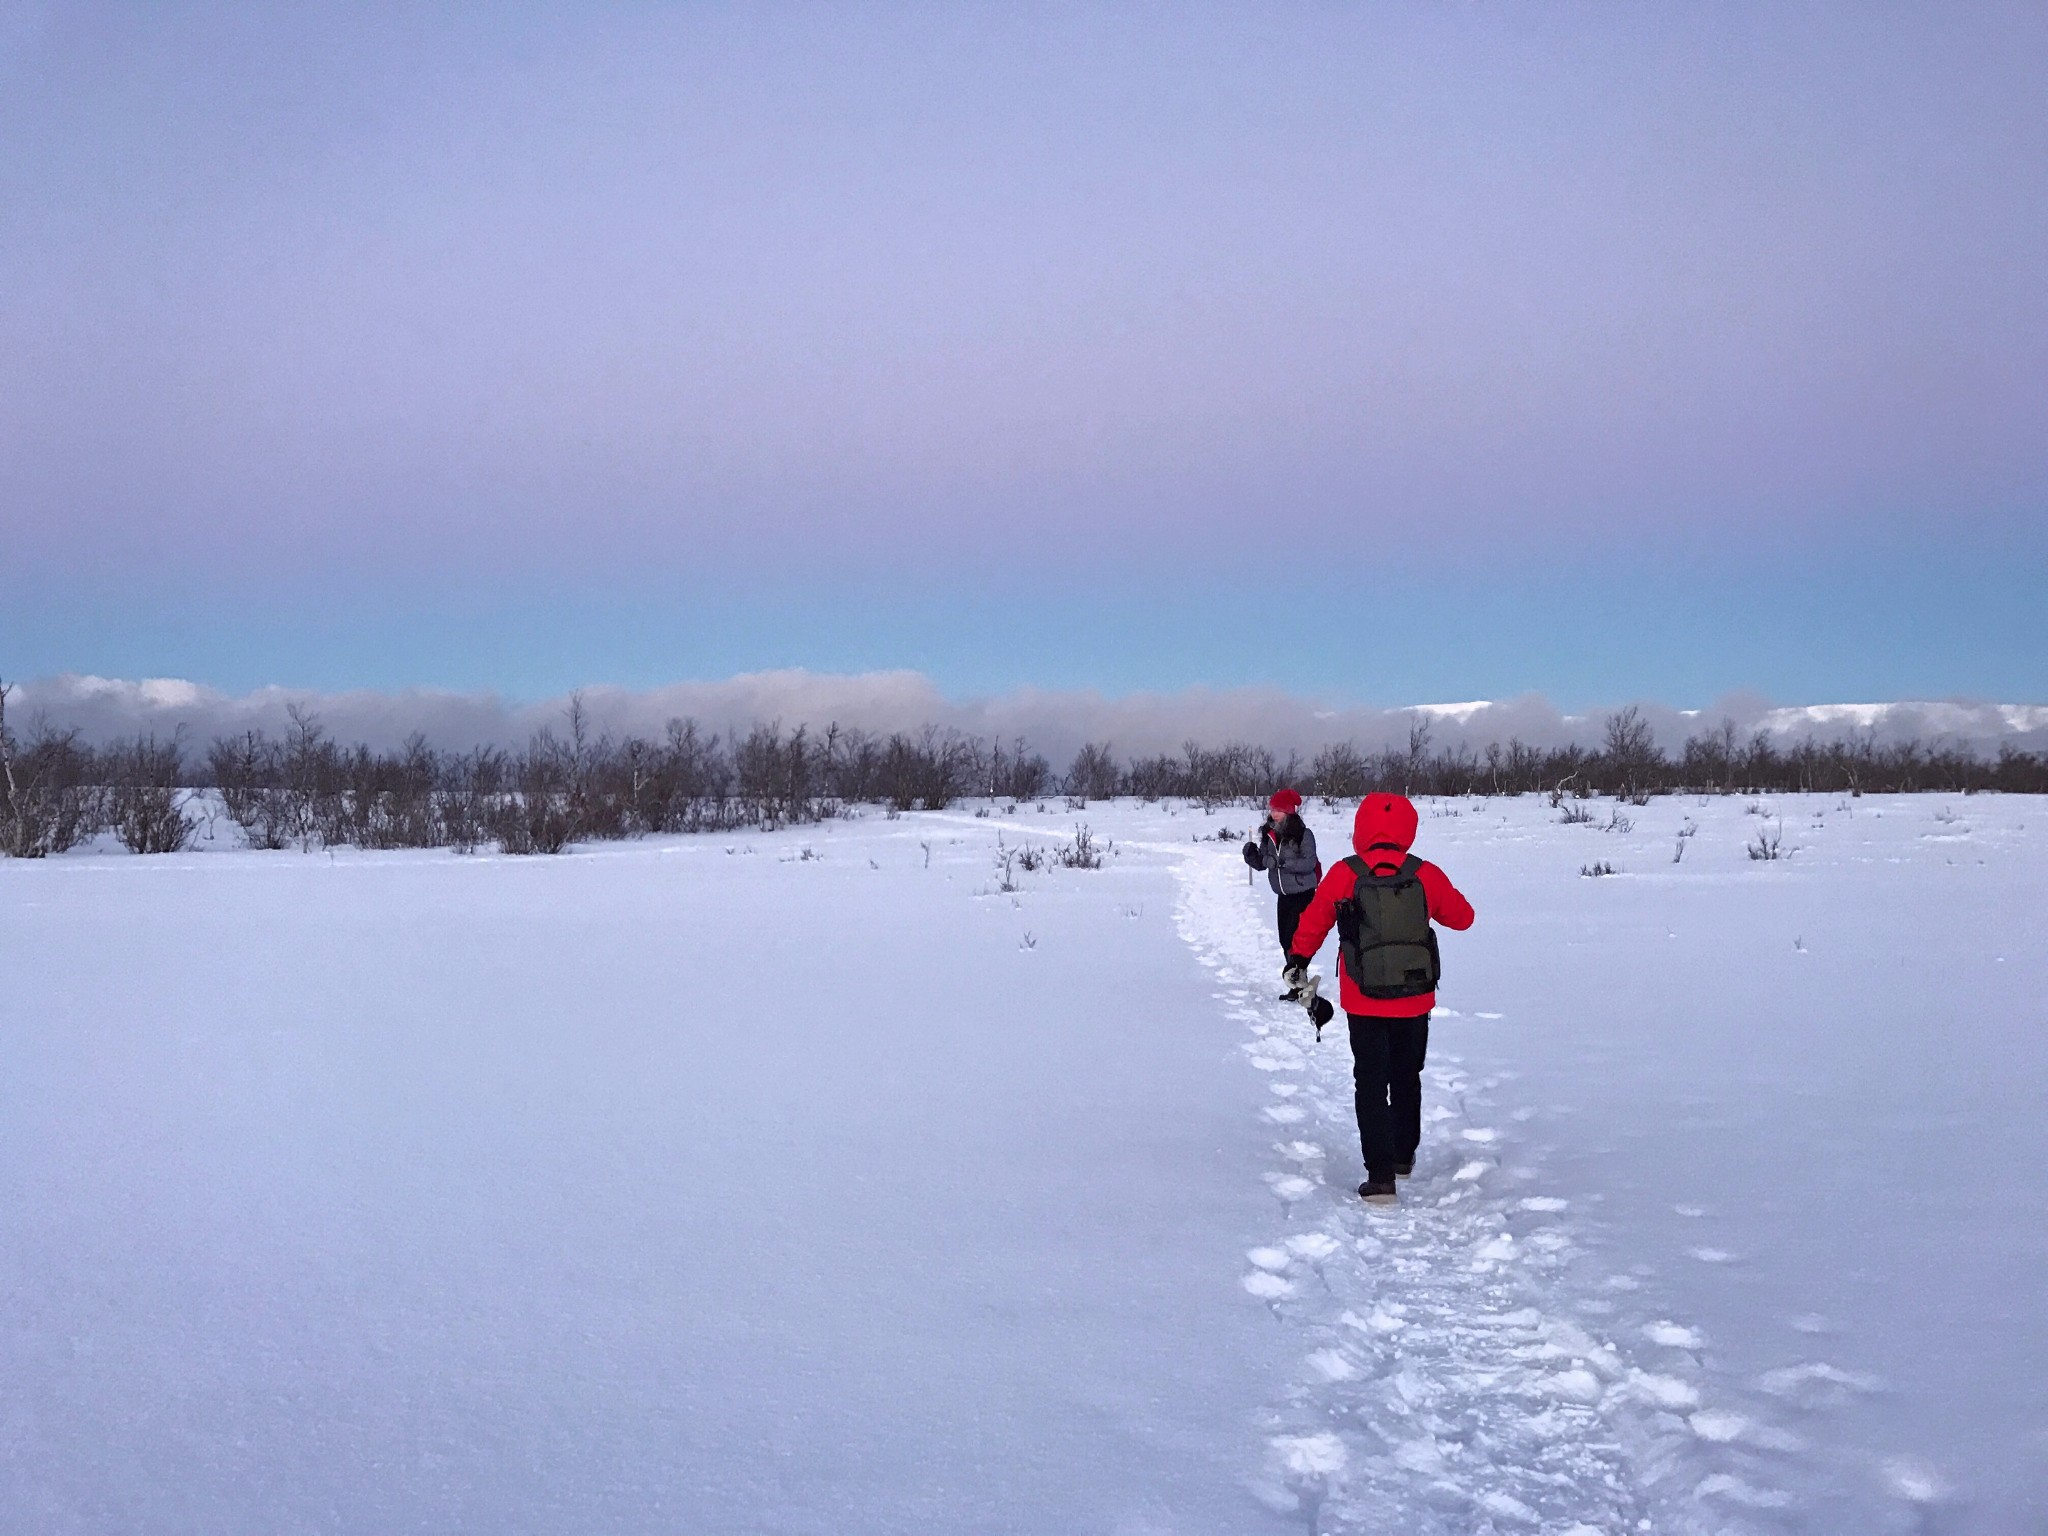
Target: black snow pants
{"points": [[1386, 1064], [1291, 908]]}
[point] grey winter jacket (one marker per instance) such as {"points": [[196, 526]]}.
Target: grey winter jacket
{"points": [[1291, 868]]}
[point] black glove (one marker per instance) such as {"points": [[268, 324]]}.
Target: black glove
{"points": [[1295, 973], [1322, 1013], [1253, 857]]}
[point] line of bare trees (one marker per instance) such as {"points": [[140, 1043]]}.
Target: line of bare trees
{"points": [[1628, 764], [1721, 759], [303, 789]]}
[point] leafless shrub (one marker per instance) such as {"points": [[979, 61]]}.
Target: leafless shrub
{"points": [[1594, 871], [144, 802], [47, 800], [472, 787], [1340, 770], [1093, 774], [1686, 834], [776, 776], [1767, 845], [1081, 853], [928, 771], [1629, 758], [311, 770], [1019, 774], [1575, 814], [538, 815], [247, 771], [387, 801]]}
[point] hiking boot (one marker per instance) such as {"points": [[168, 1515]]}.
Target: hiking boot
{"points": [[1378, 1192], [1402, 1170]]}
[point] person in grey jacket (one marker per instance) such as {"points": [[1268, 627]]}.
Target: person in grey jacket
{"points": [[1286, 850]]}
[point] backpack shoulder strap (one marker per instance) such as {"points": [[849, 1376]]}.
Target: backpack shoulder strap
{"points": [[1409, 866]]}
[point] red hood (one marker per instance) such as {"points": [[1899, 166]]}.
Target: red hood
{"points": [[1384, 829]]}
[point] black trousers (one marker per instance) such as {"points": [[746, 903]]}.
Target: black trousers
{"points": [[1291, 908], [1386, 1064]]}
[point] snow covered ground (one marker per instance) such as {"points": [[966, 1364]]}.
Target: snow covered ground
{"points": [[809, 1182]]}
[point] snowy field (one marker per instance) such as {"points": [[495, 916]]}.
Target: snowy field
{"points": [[810, 1183]]}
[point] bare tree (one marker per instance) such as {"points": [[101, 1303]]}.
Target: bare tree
{"points": [[1093, 774], [144, 797], [1629, 754], [47, 802], [247, 771]]}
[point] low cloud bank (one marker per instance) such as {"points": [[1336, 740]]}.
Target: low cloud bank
{"points": [[1054, 723]]}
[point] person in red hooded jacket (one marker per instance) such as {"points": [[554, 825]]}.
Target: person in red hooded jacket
{"points": [[1383, 900]]}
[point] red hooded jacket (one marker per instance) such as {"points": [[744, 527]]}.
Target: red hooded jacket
{"points": [[1381, 834]]}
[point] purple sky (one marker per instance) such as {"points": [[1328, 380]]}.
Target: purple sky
{"points": [[372, 346]]}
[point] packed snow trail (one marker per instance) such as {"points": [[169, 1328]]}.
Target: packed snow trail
{"points": [[1442, 1385]]}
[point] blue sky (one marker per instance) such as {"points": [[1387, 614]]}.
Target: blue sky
{"points": [[1379, 353]]}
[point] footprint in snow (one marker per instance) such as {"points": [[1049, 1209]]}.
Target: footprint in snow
{"points": [[1544, 1203], [1915, 1481], [1712, 1255], [1666, 1392], [1481, 1134], [1285, 1114], [1331, 1365], [1674, 1335], [1577, 1385], [1816, 1384], [1310, 1455], [1724, 1485]]}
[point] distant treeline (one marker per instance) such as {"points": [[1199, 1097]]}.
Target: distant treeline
{"points": [[305, 790]]}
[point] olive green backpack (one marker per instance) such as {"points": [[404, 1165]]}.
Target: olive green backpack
{"points": [[1384, 937]]}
